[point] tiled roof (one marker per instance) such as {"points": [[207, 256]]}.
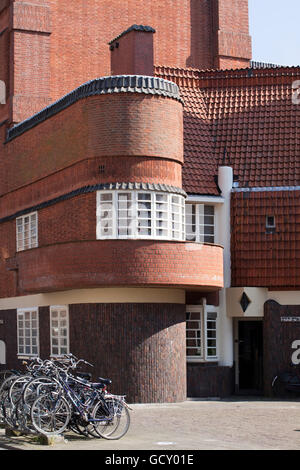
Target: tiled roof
{"points": [[200, 164], [262, 257], [247, 117]]}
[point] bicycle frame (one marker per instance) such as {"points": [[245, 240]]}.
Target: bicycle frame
{"points": [[82, 407]]}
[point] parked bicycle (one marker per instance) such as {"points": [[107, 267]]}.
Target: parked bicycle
{"points": [[287, 381], [52, 397]]}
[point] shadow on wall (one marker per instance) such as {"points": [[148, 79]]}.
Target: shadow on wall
{"points": [[201, 35]]}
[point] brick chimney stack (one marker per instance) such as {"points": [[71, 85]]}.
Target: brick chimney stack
{"points": [[132, 52]]}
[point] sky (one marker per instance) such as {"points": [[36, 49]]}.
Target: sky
{"points": [[275, 31]]}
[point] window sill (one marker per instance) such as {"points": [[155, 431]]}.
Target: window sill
{"points": [[202, 361]]}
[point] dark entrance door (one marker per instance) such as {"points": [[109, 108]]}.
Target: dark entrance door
{"points": [[250, 354]]}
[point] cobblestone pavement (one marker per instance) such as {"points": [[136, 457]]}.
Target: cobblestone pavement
{"points": [[235, 424]]}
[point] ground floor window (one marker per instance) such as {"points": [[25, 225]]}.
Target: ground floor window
{"points": [[201, 333], [28, 332], [59, 330]]}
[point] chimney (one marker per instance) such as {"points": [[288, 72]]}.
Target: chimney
{"points": [[132, 52]]}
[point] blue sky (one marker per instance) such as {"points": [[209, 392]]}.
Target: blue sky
{"points": [[275, 31]]}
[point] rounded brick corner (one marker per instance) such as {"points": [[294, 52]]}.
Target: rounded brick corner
{"points": [[120, 263]]}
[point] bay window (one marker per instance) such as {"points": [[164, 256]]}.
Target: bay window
{"points": [[140, 215]]}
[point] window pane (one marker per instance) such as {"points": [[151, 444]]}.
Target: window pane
{"points": [[59, 331], [193, 334], [26, 232], [211, 334], [28, 332]]}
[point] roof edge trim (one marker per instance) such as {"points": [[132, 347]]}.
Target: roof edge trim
{"points": [[100, 86], [265, 189], [130, 186]]}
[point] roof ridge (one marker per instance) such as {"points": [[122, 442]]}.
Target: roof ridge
{"points": [[188, 77]]}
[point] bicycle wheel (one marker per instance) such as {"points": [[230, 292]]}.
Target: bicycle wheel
{"points": [[50, 414], [4, 390], [17, 386], [4, 374], [9, 412], [36, 387], [116, 424], [23, 417]]}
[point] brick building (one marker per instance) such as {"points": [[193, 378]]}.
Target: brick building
{"points": [[149, 185]]}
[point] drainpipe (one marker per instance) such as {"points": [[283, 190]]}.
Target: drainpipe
{"points": [[225, 182]]}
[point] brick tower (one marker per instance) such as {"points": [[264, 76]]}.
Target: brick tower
{"points": [[41, 59]]}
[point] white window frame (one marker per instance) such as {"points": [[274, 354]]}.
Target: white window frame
{"points": [[204, 311], [167, 222], [59, 346], [21, 316], [199, 234], [33, 225], [268, 225]]}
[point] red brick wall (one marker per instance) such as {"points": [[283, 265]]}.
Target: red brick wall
{"points": [[57, 46], [120, 262], [5, 68], [8, 279], [147, 363], [91, 172], [133, 54], [182, 36], [233, 43], [113, 125], [102, 139], [30, 59], [259, 258]]}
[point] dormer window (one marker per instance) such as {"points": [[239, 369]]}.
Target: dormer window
{"points": [[270, 224]]}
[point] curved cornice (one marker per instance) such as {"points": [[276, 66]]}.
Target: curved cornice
{"points": [[100, 86]]}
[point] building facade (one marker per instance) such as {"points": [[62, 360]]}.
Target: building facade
{"points": [[149, 186]]}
